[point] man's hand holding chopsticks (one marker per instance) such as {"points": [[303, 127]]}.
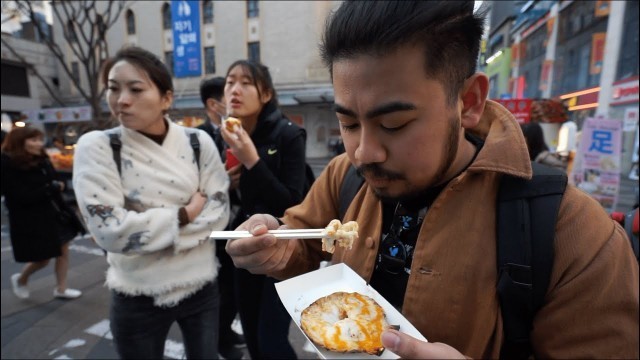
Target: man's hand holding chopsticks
{"points": [[262, 253]]}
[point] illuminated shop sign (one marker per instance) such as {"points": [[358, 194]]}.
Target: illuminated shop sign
{"points": [[625, 92]]}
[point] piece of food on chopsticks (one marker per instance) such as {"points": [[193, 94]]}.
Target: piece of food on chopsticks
{"points": [[344, 234], [232, 124], [345, 322]]}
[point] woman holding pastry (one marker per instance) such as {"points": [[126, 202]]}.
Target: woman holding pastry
{"points": [[270, 178]]}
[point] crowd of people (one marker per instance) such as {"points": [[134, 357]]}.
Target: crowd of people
{"points": [[431, 151]]}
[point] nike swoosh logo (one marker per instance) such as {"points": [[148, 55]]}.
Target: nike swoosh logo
{"points": [[272, 151]]}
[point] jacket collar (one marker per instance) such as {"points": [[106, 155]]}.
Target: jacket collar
{"points": [[505, 149]]}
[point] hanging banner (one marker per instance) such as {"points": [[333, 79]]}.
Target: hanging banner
{"points": [[597, 167], [185, 20], [550, 22], [597, 52], [545, 75], [56, 115], [602, 8]]}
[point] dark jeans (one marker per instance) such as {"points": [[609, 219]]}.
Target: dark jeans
{"points": [[265, 321], [140, 329]]}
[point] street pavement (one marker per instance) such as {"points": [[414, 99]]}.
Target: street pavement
{"points": [[42, 327]]}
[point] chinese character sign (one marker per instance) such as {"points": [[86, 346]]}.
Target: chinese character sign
{"points": [[185, 19], [598, 167]]}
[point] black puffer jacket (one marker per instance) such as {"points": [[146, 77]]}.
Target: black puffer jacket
{"points": [[277, 181]]}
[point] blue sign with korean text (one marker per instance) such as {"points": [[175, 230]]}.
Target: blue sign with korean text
{"points": [[185, 21]]}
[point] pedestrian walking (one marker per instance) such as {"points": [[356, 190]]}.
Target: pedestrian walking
{"points": [[151, 200], [41, 224]]}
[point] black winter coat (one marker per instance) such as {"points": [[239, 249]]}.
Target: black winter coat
{"points": [[34, 221], [277, 180]]}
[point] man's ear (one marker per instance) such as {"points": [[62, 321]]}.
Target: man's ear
{"points": [[210, 103], [474, 96]]}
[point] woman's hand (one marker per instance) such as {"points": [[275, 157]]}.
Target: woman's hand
{"points": [[195, 205], [242, 146], [408, 347]]}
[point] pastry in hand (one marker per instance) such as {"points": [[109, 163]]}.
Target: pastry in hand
{"points": [[232, 124]]}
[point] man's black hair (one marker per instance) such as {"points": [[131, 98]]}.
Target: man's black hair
{"points": [[212, 88], [448, 31]]}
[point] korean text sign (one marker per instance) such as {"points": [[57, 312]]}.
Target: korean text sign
{"points": [[185, 21], [598, 169]]}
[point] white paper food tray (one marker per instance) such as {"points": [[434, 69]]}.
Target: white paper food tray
{"points": [[299, 292]]}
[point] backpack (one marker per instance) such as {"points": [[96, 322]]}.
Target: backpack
{"points": [[527, 212], [275, 137], [116, 145], [631, 225]]}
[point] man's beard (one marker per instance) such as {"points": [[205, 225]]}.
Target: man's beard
{"points": [[449, 154]]}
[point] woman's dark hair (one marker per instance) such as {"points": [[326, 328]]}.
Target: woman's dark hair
{"points": [[14, 146], [535, 139], [260, 77], [143, 60], [448, 31]]}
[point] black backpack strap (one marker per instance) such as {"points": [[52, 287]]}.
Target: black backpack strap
{"points": [[195, 144], [116, 145], [526, 219], [351, 184], [628, 227]]}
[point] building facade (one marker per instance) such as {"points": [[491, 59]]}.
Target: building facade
{"points": [[21, 89], [283, 35], [583, 53]]}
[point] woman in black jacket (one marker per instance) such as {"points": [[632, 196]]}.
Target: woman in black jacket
{"points": [[41, 224], [270, 178]]}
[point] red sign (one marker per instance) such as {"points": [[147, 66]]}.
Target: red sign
{"points": [[520, 108], [625, 92], [597, 52]]}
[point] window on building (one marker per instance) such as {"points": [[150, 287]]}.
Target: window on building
{"points": [[628, 60], [210, 60], [252, 8], [207, 12], [584, 64], [254, 51], [71, 31], [15, 81], [166, 16], [75, 71], [131, 23], [168, 60]]}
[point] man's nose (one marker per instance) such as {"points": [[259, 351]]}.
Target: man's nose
{"points": [[371, 149]]}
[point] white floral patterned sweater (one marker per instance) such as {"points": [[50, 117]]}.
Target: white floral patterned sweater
{"points": [[135, 217]]}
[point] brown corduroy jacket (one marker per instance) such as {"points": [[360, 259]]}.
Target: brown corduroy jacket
{"points": [[591, 307]]}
